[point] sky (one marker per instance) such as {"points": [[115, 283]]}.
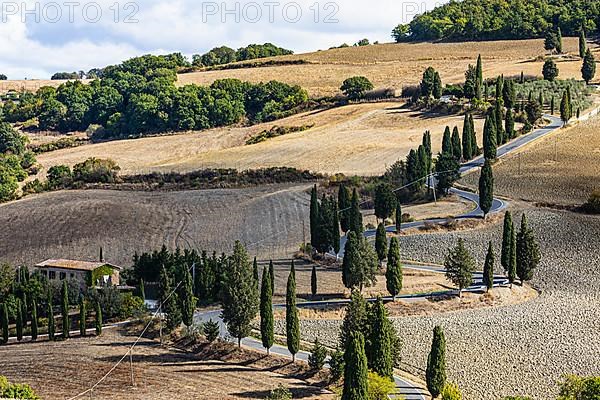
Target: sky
{"points": [[39, 38]]}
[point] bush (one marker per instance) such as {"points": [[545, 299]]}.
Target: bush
{"points": [[211, 330], [578, 388], [592, 206], [131, 306], [316, 360], [16, 391], [59, 177], [95, 170], [356, 87], [451, 392], [281, 393], [110, 299], [35, 186], [336, 364], [380, 387]]}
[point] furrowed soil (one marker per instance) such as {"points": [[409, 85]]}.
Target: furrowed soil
{"points": [[74, 224], [59, 370]]}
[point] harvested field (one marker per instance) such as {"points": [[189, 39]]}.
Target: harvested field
{"points": [[563, 168], [74, 224], [64, 369], [519, 349], [396, 65], [354, 140]]}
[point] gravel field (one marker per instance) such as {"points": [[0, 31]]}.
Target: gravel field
{"points": [[523, 349]]}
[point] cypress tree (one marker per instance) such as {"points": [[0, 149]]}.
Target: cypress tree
{"points": [[379, 355], [447, 141], [381, 243], [355, 370], [489, 137], [512, 266], [478, 77], [4, 323], [588, 70], [474, 145], [51, 321], [24, 310], [385, 199], [266, 311], [344, 205], [398, 217], [552, 105], [582, 42], [19, 320], [169, 300], [335, 228], [240, 296], [98, 319], [507, 234], [255, 271], [356, 221], [500, 137], [34, 320], [509, 94], [528, 252], [272, 276], [393, 275], [436, 363], [456, 145], [142, 290], [460, 267], [437, 86], [488, 268], [510, 124], [355, 319], [188, 305], [65, 311], [82, 317], [467, 149], [292, 324], [428, 151], [359, 264], [565, 108], [314, 283], [314, 217], [522, 80], [559, 43], [486, 188]]}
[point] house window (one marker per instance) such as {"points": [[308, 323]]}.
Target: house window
{"points": [[52, 275], [45, 273], [63, 276]]}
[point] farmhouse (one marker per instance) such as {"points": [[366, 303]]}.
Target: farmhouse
{"points": [[87, 273]]}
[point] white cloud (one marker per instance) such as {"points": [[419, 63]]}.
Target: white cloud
{"points": [[38, 49]]}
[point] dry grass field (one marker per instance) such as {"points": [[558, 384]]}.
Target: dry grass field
{"points": [[563, 168], [59, 370], [355, 140], [396, 65], [74, 224]]}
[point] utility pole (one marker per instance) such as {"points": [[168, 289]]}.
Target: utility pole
{"points": [[303, 238], [131, 366], [519, 164], [161, 323]]}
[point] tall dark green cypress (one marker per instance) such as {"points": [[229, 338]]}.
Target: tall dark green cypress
{"points": [[98, 319], [488, 268], [51, 321], [188, 305], [393, 275], [4, 323], [380, 359], [467, 148], [398, 216], [314, 217], [65, 311], [266, 311], [456, 145], [142, 290], [355, 319], [344, 205], [588, 69], [292, 324], [381, 243], [582, 42], [436, 363], [528, 252], [566, 112], [355, 369], [335, 229], [19, 320], [34, 320], [169, 301], [474, 144], [500, 137], [512, 266], [486, 188], [478, 78], [356, 221], [552, 105], [510, 124], [255, 271], [489, 137], [447, 141], [507, 234], [314, 283], [82, 317]]}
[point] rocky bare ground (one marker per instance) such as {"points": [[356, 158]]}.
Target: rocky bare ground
{"points": [[515, 350]]}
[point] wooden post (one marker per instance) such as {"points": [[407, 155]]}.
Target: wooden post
{"points": [[131, 366]]}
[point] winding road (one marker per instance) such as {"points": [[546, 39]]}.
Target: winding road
{"points": [[406, 389]]}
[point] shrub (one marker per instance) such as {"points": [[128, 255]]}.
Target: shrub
{"points": [[578, 388], [355, 87], [380, 387], [316, 360], [35, 186], [281, 393], [131, 306], [592, 206], [211, 330], [59, 177], [451, 392], [336, 364], [16, 391], [110, 300], [95, 170]]}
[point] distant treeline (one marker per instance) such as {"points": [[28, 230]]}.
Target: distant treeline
{"points": [[225, 55], [139, 97], [501, 19]]}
